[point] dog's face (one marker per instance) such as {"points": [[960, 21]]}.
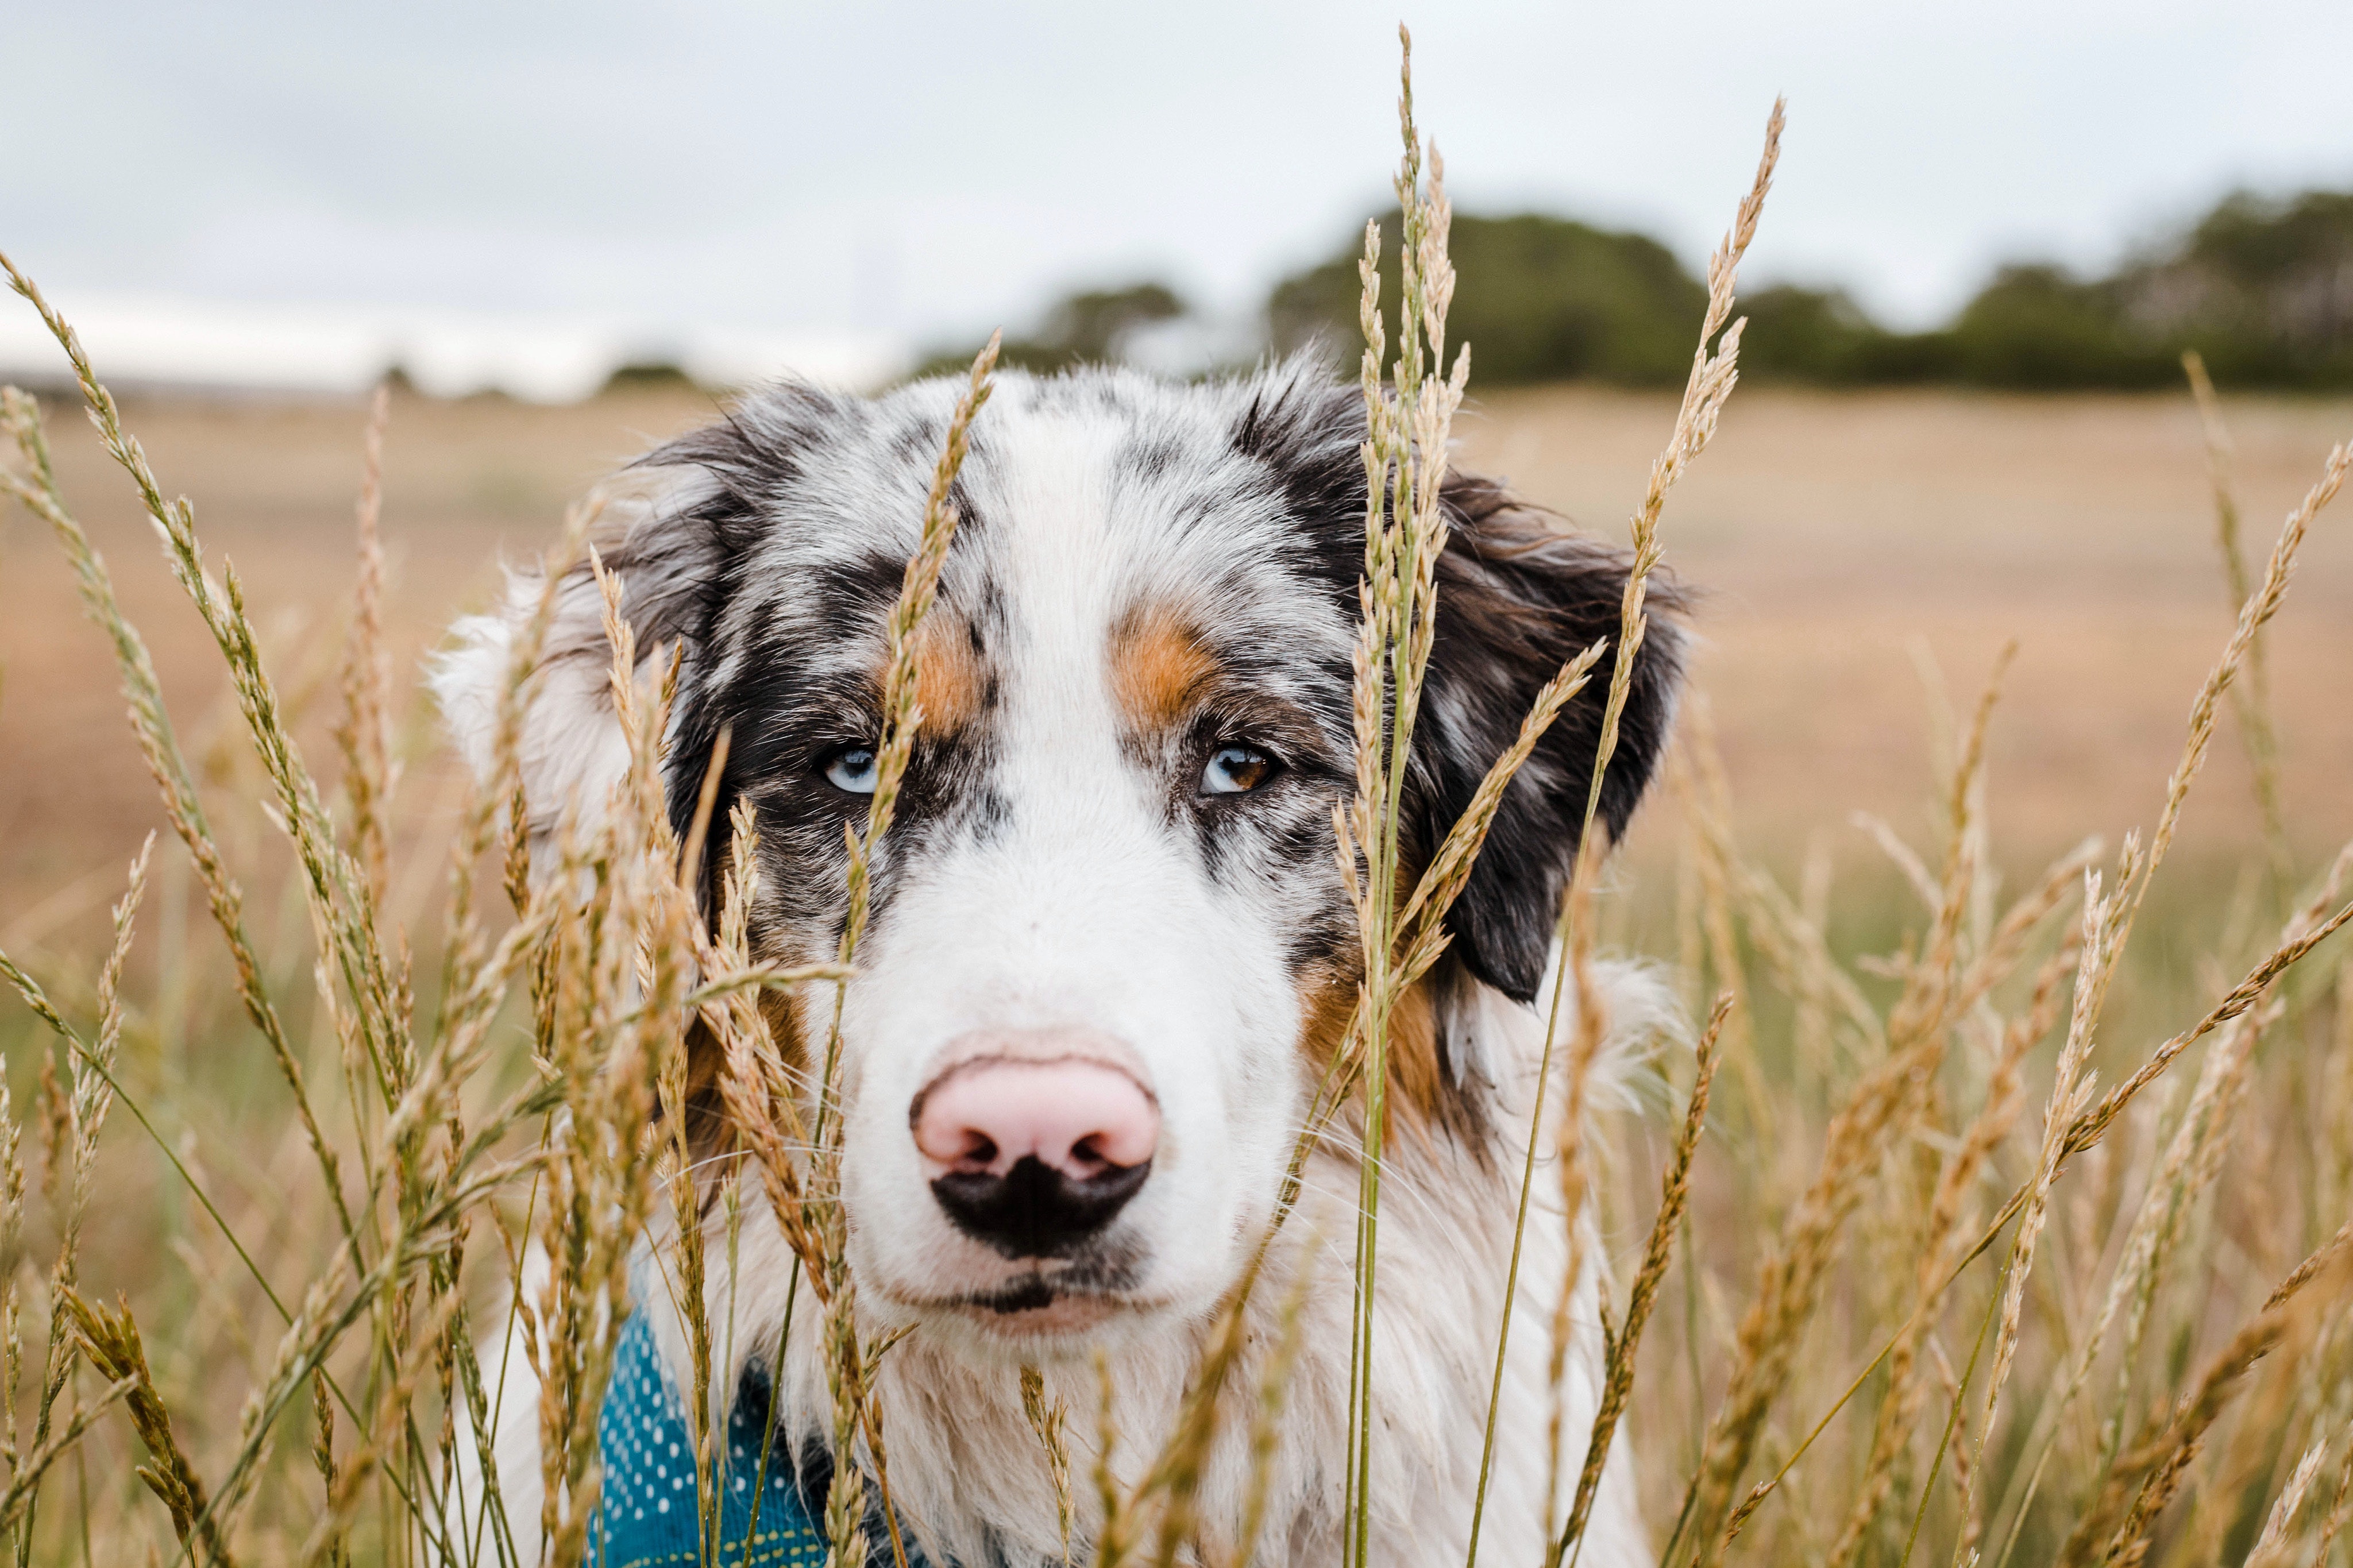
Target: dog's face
{"points": [[1109, 950]]}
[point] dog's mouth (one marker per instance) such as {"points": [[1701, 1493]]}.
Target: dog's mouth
{"points": [[1071, 1298], [1034, 1307]]}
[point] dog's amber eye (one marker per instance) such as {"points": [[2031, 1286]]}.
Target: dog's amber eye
{"points": [[1236, 770], [852, 770]]}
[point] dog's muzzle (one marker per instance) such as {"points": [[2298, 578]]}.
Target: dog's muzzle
{"points": [[1035, 1140]]}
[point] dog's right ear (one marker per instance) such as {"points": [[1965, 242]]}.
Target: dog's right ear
{"points": [[669, 529]]}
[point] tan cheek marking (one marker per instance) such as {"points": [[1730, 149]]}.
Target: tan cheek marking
{"points": [[783, 1010], [1158, 667], [711, 1130], [1417, 1077], [1327, 1001], [947, 673]]}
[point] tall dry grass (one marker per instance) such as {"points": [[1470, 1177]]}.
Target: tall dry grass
{"points": [[1882, 1308]]}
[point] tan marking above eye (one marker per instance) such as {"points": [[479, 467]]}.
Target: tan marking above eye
{"points": [[948, 677], [1158, 667]]}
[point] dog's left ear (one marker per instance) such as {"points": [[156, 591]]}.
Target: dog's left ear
{"points": [[1518, 595]]}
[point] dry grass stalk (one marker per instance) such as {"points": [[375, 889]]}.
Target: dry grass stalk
{"points": [[25, 1479], [688, 1285], [622, 964], [1407, 432], [1420, 924], [1115, 1539], [2094, 1123], [388, 1432], [1810, 1029], [1715, 370], [1787, 1293], [365, 734], [1174, 1480], [1048, 1422], [2254, 613], [1696, 774], [2341, 1512], [2133, 1284], [796, 1151], [1675, 1196], [75, 1148], [336, 1549], [1170, 1485], [2071, 1089], [1592, 1025], [2108, 924], [1885, 1100], [2192, 1160], [2271, 1545], [1946, 1247], [1275, 1383], [2250, 700], [2068, 1127], [341, 902], [12, 1242], [849, 1368], [2147, 1474], [112, 1343]]}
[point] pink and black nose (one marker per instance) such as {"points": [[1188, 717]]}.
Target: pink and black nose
{"points": [[1035, 1142]]}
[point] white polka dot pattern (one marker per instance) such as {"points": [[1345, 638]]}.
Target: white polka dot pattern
{"points": [[649, 1518]]}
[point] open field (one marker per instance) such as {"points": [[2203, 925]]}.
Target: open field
{"points": [[1837, 539], [1846, 549]]}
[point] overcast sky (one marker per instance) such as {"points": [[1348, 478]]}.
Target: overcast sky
{"points": [[931, 168]]}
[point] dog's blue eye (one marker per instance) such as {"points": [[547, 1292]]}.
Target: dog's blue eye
{"points": [[1236, 770], [852, 770]]}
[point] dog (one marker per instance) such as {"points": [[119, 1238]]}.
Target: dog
{"points": [[1111, 951]]}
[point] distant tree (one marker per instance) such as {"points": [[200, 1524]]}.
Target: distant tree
{"points": [[1823, 336], [1089, 327], [2262, 289], [1093, 327], [1537, 298], [2036, 326]]}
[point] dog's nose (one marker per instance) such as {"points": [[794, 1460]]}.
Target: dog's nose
{"points": [[1034, 1142]]}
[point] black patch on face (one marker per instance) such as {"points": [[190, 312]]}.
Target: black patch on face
{"points": [[698, 571], [1149, 456], [863, 589], [916, 440], [1308, 430]]}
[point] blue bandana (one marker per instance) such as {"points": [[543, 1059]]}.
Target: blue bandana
{"points": [[649, 1517]]}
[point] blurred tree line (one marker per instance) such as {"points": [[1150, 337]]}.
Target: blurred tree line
{"points": [[2261, 287]]}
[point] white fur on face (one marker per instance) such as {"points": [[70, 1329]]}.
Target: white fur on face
{"points": [[1086, 903]]}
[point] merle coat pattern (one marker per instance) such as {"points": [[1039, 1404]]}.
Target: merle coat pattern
{"points": [[1151, 597]]}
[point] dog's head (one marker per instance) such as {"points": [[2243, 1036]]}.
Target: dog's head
{"points": [[1109, 951]]}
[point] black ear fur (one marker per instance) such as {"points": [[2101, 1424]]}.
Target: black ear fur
{"points": [[1518, 595]]}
